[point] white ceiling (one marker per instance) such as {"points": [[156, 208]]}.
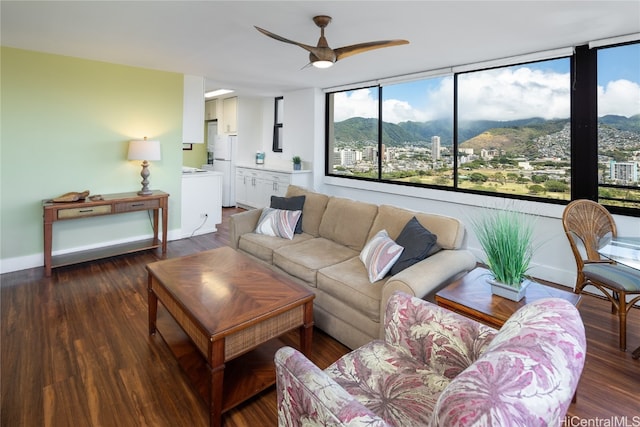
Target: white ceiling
{"points": [[216, 39]]}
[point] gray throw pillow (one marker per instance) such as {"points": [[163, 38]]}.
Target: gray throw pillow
{"points": [[295, 203], [418, 244]]}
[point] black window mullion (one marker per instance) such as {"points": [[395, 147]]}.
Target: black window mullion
{"points": [[455, 131], [584, 124], [380, 118]]}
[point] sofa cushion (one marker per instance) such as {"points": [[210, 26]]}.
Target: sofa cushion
{"points": [[348, 281], [291, 204], [262, 246], [417, 242], [304, 259], [347, 222], [314, 207], [390, 383], [379, 255], [278, 222], [450, 231]]}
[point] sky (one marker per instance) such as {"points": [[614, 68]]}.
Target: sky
{"points": [[532, 90]]}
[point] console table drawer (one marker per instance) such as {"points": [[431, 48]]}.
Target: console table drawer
{"points": [[80, 212], [137, 205]]}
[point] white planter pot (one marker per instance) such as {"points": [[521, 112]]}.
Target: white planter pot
{"points": [[508, 292]]}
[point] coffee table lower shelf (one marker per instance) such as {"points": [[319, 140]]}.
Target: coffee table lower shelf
{"points": [[244, 377]]}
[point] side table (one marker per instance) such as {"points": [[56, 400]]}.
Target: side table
{"points": [[471, 296]]}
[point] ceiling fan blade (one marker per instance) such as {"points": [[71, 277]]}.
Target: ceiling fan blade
{"points": [[347, 51], [282, 39]]}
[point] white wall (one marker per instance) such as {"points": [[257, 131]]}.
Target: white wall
{"points": [[300, 137]]}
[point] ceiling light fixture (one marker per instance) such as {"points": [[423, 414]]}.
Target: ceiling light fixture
{"points": [[321, 55], [322, 64], [217, 92]]}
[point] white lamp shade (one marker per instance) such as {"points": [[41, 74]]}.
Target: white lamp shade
{"points": [[144, 150]]}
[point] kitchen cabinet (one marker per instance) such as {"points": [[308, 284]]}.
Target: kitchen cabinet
{"points": [[255, 186], [211, 109], [241, 188], [193, 110], [230, 115], [201, 203]]}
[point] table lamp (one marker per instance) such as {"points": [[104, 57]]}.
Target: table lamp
{"points": [[144, 150]]}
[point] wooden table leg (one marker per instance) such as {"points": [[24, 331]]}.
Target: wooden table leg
{"points": [[216, 371], [306, 330], [165, 225], [48, 229], [153, 307]]}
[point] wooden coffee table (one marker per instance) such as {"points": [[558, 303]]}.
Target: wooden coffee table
{"points": [[229, 306], [471, 296]]}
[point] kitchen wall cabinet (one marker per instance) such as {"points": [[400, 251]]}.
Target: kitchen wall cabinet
{"points": [[229, 115], [211, 109], [255, 186], [193, 110]]}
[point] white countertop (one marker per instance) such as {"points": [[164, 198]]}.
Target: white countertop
{"points": [[271, 168], [200, 173]]}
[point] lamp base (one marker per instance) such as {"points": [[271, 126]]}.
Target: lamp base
{"points": [[145, 180]]}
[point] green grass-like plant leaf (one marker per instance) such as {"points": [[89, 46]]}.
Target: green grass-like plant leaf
{"points": [[506, 236]]}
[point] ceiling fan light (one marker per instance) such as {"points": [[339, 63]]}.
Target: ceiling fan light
{"points": [[322, 64]]}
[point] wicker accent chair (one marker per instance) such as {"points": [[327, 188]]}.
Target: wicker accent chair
{"points": [[589, 224]]}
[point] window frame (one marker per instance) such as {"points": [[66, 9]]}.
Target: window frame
{"points": [[583, 140], [277, 124]]}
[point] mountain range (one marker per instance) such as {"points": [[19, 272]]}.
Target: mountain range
{"points": [[360, 131]]}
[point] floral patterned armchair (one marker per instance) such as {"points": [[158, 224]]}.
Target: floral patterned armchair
{"points": [[437, 368]]}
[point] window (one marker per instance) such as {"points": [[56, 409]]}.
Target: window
{"points": [[417, 131], [277, 124], [523, 130], [354, 144], [514, 130], [619, 126]]}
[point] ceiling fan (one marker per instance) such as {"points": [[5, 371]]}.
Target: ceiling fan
{"points": [[322, 56]]}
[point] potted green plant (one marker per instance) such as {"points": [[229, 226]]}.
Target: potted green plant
{"points": [[506, 237], [297, 163]]}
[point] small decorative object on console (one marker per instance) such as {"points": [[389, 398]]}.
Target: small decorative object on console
{"points": [[72, 196]]}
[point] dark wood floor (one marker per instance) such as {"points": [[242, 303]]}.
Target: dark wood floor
{"points": [[75, 351]]}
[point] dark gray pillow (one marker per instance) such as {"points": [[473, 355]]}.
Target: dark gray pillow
{"points": [[290, 204], [418, 243]]}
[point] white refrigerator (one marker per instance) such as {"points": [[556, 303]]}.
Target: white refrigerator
{"points": [[224, 149]]}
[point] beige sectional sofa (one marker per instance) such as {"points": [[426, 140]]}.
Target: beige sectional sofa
{"points": [[325, 258]]}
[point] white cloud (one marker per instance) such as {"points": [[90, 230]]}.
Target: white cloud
{"points": [[620, 97], [501, 94], [357, 103], [513, 93]]}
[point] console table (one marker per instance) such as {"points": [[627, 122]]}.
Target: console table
{"points": [[110, 204]]}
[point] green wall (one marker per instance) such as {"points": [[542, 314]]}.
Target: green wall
{"points": [[65, 126], [197, 156]]}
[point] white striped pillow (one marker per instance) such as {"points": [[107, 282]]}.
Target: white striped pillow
{"points": [[379, 255], [278, 222]]}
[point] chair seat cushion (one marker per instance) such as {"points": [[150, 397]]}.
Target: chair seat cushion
{"points": [[615, 276], [390, 383]]}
